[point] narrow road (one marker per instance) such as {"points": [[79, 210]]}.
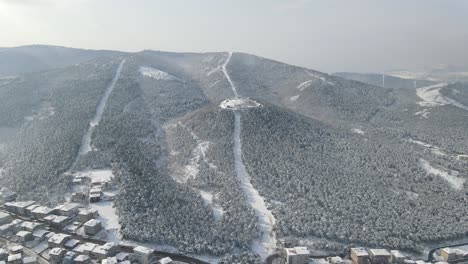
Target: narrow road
{"points": [[86, 143], [265, 245]]}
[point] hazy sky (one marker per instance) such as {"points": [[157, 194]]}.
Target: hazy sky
{"points": [[327, 35]]}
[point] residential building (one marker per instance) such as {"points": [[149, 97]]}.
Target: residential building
{"points": [[40, 234], [297, 255], [397, 257], [111, 260], [3, 254], [463, 157], [83, 259], [86, 248], [380, 256], [71, 244], [24, 236], [166, 260], [4, 218], [15, 250], [58, 240], [29, 260], [360, 256], [143, 255], [122, 256], [92, 227], [87, 214], [69, 257], [104, 251], [69, 210], [41, 212], [56, 255], [14, 259]]}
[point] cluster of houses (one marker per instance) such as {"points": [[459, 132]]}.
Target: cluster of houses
{"points": [[64, 234], [96, 191], [301, 255], [15, 254]]}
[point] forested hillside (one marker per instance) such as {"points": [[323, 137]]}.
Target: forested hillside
{"points": [[334, 161]]}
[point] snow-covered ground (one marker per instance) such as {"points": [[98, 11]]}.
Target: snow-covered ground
{"points": [[304, 85], [98, 175], [451, 178], [358, 131], [239, 103], [432, 96], [191, 170], [228, 78], [294, 98], [217, 209], [156, 74], [86, 142], [423, 113], [432, 148], [266, 243]]}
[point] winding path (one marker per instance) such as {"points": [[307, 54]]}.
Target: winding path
{"points": [[265, 244]]}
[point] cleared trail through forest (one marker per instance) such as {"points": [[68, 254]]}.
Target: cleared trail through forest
{"points": [[265, 244], [86, 143]]}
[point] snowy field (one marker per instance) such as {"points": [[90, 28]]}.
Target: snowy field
{"points": [[451, 178], [239, 104], [157, 74]]}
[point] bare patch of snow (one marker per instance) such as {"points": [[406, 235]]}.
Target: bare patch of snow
{"points": [[451, 178], [208, 200], [304, 85], [107, 215], [266, 243], [294, 98], [423, 113], [104, 175], [239, 104], [358, 131], [156, 74], [191, 170], [432, 148]]}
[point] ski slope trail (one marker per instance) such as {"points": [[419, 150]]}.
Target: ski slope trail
{"points": [[266, 243], [86, 143], [228, 78]]}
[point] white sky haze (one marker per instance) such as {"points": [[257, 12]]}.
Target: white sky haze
{"points": [[327, 35]]}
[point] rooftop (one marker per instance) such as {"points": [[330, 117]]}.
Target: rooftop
{"points": [[379, 252], [58, 238], [297, 251], [360, 252], [143, 250]]}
